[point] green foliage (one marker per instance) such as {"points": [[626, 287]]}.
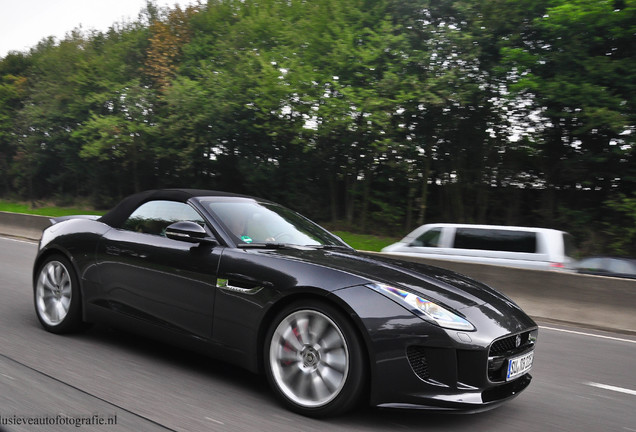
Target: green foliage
{"points": [[384, 114], [622, 227], [581, 69]]}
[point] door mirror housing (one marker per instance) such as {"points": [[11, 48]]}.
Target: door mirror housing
{"points": [[190, 232]]}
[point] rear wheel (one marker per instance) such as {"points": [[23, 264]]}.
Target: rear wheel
{"points": [[314, 360], [57, 296]]}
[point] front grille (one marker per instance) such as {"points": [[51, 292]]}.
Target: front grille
{"points": [[417, 359], [507, 347], [509, 344]]}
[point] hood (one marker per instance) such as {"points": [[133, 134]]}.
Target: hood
{"points": [[433, 283]]}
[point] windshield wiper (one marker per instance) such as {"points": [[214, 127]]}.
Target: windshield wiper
{"points": [[265, 245], [274, 245], [331, 246]]}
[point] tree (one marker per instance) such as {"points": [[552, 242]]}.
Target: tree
{"points": [[578, 70], [379, 113], [167, 39], [621, 226], [13, 88], [124, 134]]}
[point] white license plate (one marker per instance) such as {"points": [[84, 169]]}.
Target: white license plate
{"points": [[518, 366]]}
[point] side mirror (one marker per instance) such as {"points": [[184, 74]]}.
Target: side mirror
{"points": [[190, 232]]}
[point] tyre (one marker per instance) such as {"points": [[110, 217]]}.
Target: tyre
{"points": [[57, 296], [314, 360]]}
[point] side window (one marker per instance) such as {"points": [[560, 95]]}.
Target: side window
{"points": [[428, 238], [496, 240], [154, 216], [591, 264], [619, 266]]}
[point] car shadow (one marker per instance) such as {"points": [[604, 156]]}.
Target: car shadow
{"points": [[256, 387]]}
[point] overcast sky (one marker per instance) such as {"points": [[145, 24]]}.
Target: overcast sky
{"points": [[23, 23]]}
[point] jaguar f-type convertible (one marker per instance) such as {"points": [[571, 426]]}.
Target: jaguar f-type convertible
{"points": [[250, 282]]}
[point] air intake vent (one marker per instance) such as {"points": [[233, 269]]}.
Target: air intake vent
{"points": [[418, 362]]}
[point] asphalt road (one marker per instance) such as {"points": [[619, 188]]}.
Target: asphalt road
{"points": [[584, 380]]}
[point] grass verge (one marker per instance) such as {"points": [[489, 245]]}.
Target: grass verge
{"points": [[52, 211], [365, 242]]}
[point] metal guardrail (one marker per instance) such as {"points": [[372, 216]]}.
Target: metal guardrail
{"points": [[595, 301]]}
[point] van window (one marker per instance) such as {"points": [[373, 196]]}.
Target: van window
{"points": [[496, 240], [429, 238]]}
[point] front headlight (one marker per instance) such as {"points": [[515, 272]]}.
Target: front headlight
{"points": [[426, 308]]}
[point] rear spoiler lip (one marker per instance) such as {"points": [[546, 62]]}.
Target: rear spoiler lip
{"points": [[59, 219]]}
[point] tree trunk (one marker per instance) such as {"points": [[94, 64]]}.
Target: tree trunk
{"points": [[424, 197], [408, 222], [364, 208], [333, 198], [350, 185]]}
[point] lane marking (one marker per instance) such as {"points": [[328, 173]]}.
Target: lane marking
{"points": [[612, 388], [19, 240], [589, 334], [215, 421], [7, 376]]}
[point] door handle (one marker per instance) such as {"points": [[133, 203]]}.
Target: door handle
{"points": [[225, 284]]}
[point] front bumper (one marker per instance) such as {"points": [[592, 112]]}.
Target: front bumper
{"points": [[445, 379], [469, 402], [416, 364]]}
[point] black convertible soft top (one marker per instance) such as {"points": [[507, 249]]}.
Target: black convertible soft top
{"points": [[118, 215]]}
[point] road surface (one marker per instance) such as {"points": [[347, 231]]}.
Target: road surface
{"points": [[584, 381]]}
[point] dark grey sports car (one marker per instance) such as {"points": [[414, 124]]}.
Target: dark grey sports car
{"points": [[248, 281]]}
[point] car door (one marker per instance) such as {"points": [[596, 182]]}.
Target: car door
{"points": [[168, 282]]}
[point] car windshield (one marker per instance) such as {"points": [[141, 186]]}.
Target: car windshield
{"points": [[251, 222]]}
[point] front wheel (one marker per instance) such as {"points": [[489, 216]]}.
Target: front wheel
{"points": [[57, 296], [314, 360]]}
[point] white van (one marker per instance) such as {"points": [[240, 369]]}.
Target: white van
{"points": [[534, 248]]}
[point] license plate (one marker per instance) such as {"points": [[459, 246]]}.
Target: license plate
{"points": [[518, 366]]}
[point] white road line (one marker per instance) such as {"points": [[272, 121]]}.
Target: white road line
{"points": [[589, 334], [18, 240], [215, 421], [612, 388]]}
